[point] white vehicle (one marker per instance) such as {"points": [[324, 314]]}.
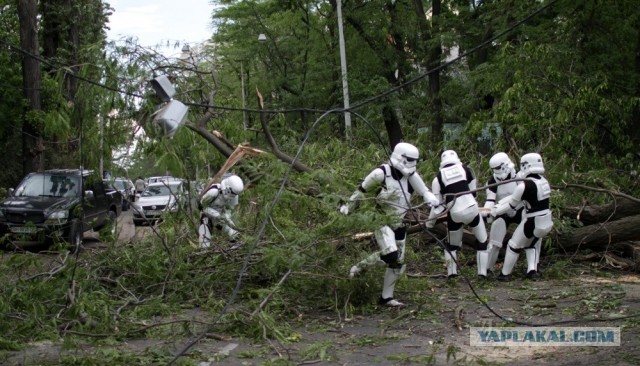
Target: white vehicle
{"points": [[163, 178], [157, 200]]}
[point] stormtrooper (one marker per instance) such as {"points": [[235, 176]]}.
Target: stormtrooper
{"points": [[534, 193], [396, 181], [217, 204], [500, 186], [452, 186]]}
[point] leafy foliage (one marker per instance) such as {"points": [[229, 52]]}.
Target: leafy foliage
{"points": [[564, 83]]}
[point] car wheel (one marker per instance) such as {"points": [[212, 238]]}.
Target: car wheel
{"points": [[75, 236], [110, 229]]}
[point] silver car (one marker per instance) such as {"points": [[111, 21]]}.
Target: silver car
{"points": [[157, 200]]}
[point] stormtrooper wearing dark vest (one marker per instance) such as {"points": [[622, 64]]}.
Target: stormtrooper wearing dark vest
{"points": [[453, 185], [534, 193], [499, 187]]}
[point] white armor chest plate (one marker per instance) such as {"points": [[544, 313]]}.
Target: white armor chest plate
{"points": [[543, 188], [219, 201], [395, 195], [452, 174]]}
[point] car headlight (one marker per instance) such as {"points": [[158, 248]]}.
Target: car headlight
{"points": [[57, 217], [173, 206]]}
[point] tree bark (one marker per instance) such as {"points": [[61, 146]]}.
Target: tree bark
{"points": [[434, 56], [392, 125], [602, 236], [616, 210], [32, 144], [634, 125], [297, 165]]}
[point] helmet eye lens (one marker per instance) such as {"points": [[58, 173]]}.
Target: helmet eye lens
{"points": [[499, 167], [410, 160]]}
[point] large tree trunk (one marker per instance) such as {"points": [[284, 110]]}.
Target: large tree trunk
{"points": [[601, 236], [616, 210], [392, 125], [32, 144], [634, 125], [393, 64], [433, 62]]}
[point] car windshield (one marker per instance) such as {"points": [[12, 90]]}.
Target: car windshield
{"points": [[49, 185], [161, 190], [119, 184]]}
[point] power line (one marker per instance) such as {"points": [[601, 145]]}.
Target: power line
{"points": [[353, 107]]}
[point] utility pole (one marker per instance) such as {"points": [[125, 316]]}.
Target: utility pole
{"points": [[101, 122], [343, 66], [244, 111]]}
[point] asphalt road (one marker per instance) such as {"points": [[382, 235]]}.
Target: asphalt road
{"points": [[126, 231]]}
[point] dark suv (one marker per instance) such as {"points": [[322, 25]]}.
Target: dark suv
{"points": [[125, 187], [58, 205]]}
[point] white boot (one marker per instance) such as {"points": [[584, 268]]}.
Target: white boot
{"points": [[204, 236], [494, 252], [510, 259], [391, 276], [450, 258], [482, 258], [231, 232], [531, 259], [532, 265]]}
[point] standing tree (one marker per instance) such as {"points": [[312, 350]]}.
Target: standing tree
{"points": [[32, 144]]}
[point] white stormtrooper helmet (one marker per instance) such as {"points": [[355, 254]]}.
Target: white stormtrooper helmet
{"points": [[232, 185], [449, 157], [531, 163], [502, 166], [405, 158]]}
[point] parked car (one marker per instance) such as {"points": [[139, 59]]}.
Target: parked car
{"points": [[58, 205], [126, 189], [157, 200], [163, 178]]}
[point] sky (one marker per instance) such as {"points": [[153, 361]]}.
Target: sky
{"points": [[156, 21]]}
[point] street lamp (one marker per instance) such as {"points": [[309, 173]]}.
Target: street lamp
{"points": [[343, 67], [173, 113]]}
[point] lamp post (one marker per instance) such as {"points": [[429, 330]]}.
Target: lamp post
{"points": [[343, 67], [244, 111]]}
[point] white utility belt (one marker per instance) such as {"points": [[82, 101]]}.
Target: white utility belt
{"points": [[537, 213]]}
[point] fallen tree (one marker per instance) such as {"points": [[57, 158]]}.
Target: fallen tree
{"points": [[600, 236], [593, 214]]}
